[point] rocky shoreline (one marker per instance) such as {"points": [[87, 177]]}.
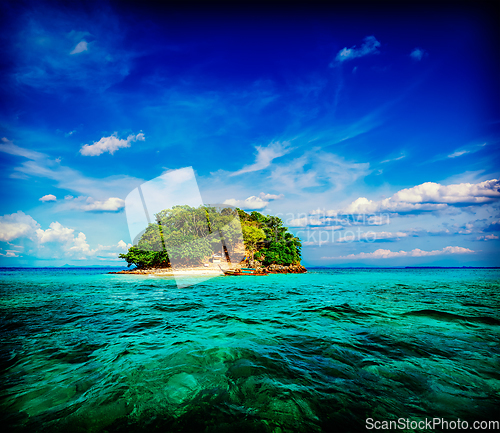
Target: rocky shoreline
{"points": [[280, 269], [201, 270]]}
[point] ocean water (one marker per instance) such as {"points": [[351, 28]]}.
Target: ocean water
{"points": [[85, 351]]}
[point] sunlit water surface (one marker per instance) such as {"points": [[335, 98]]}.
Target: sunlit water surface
{"points": [[84, 351]]}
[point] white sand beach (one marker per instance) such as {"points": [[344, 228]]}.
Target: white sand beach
{"points": [[212, 269]]}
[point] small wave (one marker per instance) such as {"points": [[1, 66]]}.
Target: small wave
{"points": [[79, 354], [450, 317], [341, 310], [146, 324], [176, 343], [7, 359], [174, 308], [225, 317], [474, 304]]}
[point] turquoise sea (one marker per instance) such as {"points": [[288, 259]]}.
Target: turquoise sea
{"points": [[85, 351]]}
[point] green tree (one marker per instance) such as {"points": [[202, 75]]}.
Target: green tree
{"points": [[144, 259], [252, 236]]}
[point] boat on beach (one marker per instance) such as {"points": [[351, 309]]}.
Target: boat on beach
{"points": [[242, 272]]}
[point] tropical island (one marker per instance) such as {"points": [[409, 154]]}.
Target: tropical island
{"points": [[208, 239]]}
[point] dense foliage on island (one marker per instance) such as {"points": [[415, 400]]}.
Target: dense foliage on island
{"points": [[192, 235]]}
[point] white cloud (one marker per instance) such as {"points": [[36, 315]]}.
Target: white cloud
{"points": [[363, 205], [109, 144], [10, 253], [48, 197], [378, 220], [112, 204], [113, 250], [123, 246], [305, 221], [88, 204], [487, 237], [370, 46], [388, 254], [468, 229], [373, 236], [80, 245], [251, 203], [458, 153], [17, 225], [80, 47], [482, 192], [55, 233], [428, 196], [59, 239], [264, 196], [265, 156], [323, 217], [63, 239], [418, 54], [54, 242]]}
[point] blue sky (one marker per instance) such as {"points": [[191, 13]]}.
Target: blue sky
{"points": [[373, 132]]}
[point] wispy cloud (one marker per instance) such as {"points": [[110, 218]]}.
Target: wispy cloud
{"points": [[40, 165], [317, 168], [109, 144], [9, 147], [392, 159], [418, 54], [80, 47], [265, 156], [464, 150], [51, 59], [370, 46], [72, 180], [373, 236], [388, 254], [458, 153], [489, 237]]}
